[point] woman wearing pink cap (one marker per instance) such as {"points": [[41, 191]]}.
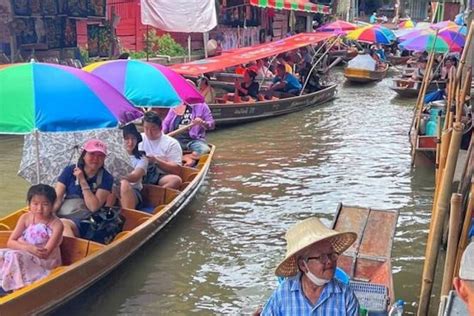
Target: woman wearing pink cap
{"points": [[83, 188]]}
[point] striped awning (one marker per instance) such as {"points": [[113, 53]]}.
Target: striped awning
{"points": [[296, 5]]}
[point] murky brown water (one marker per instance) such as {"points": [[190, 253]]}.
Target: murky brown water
{"points": [[219, 255]]}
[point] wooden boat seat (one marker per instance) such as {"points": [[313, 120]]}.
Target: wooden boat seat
{"points": [[133, 218], [154, 195], [74, 249], [188, 173]]}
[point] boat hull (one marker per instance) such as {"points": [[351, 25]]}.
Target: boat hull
{"points": [[363, 75], [68, 281], [238, 113], [410, 89]]}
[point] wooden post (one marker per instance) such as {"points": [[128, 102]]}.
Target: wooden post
{"points": [[439, 131], [436, 229], [465, 230], [462, 94], [453, 238], [414, 129]]}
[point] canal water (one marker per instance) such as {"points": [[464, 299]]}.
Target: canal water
{"points": [[218, 256]]}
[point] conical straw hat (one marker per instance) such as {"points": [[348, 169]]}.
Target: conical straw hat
{"points": [[307, 233]]}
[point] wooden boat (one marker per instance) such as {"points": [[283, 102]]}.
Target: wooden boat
{"points": [[368, 261], [363, 75], [344, 54], [85, 262], [410, 89], [398, 60], [426, 144], [237, 113]]}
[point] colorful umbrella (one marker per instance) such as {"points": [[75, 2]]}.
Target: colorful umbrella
{"points": [[146, 84], [338, 27], [422, 25], [372, 34], [443, 24], [454, 40], [456, 28], [48, 100], [408, 24], [428, 42]]}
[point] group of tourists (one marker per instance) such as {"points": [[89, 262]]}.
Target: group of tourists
{"points": [[287, 72], [84, 188]]}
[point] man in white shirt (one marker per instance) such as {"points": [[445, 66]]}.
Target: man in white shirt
{"points": [[164, 153]]}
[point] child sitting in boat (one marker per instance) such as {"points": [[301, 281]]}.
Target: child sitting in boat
{"points": [[33, 246]]}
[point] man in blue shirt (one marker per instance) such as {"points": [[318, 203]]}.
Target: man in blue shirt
{"points": [[373, 18], [309, 266], [284, 83]]}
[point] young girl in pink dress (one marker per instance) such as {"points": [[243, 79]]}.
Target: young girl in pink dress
{"points": [[33, 247]]}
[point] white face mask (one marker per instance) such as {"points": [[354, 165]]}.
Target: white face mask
{"points": [[317, 281]]}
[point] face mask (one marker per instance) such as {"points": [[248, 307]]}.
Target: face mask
{"points": [[317, 281]]}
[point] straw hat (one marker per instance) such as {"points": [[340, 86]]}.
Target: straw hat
{"points": [[306, 233]]}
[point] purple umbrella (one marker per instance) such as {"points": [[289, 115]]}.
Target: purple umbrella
{"points": [[146, 84]]}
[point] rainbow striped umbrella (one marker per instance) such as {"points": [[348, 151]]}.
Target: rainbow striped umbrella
{"points": [[443, 24], [408, 24], [455, 40], [338, 26], [54, 98], [429, 43], [146, 84], [372, 34], [58, 108]]}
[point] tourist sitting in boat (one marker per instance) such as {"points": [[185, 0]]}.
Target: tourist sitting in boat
{"points": [[33, 246], [373, 18], [464, 282], [164, 153], [420, 70], [206, 90], [378, 62], [284, 84], [262, 69], [131, 184], [193, 139], [283, 59], [310, 287], [449, 62], [245, 90], [83, 188], [306, 60]]}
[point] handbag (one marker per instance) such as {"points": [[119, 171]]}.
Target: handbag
{"points": [[103, 225], [73, 208]]}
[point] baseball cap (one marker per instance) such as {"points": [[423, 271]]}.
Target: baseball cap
{"points": [[466, 270], [95, 145]]}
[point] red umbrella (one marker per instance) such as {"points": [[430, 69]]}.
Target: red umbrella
{"points": [[338, 26]]}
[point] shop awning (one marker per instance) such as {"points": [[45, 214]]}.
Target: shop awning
{"points": [[296, 5], [246, 54]]}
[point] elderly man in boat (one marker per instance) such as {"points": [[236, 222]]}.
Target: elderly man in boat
{"points": [[464, 284], [310, 287]]}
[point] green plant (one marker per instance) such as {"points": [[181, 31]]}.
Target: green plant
{"points": [[84, 55], [162, 45]]}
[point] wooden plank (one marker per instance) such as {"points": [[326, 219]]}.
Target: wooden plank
{"points": [[352, 219], [378, 242]]}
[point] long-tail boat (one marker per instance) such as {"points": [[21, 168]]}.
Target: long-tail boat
{"points": [[85, 262], [226, 114], [410, 89], [398, 60], [364, 75], [368, 261], [230, 113]]}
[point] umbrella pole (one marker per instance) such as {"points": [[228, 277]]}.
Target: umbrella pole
{"points": [[37, 157]]}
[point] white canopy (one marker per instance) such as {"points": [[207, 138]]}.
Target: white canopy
{"points": [[362, 62], [180, 15]]}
